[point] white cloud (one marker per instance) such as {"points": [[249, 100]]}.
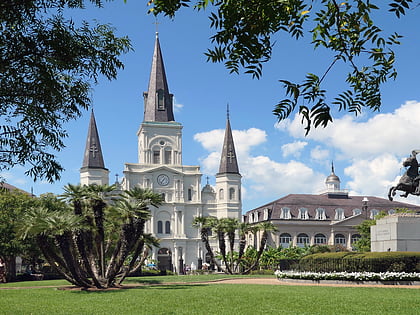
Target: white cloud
{"points": [[213, 141], [262, 177], [372, 148], [320, 154], [177, 106], [373, 176], [293, 149], [388, 132]]}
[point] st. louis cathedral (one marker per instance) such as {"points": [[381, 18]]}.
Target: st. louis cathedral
{"points": [[160, 168]]}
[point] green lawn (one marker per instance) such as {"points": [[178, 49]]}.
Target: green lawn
{"points": [[213, 299]]}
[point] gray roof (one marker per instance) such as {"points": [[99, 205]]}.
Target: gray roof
{"points": [[93, 157], [330, 203], [228, 161], [10, 187], [158, 90]]}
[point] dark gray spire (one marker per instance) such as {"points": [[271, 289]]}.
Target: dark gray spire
{"points": [[93, 157], [228, 161], [157, 100]]}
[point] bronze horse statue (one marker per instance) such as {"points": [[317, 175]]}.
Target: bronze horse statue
{"points": [[409, 182]]}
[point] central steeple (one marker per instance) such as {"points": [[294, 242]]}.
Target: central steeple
{"points": [[158, 102]]}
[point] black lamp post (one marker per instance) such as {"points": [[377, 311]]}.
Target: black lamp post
{"points": [[365, 206]]}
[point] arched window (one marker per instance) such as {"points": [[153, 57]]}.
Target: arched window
{"points": [[339, 214], [285, 240], [189, 194], [285, 213], [167, 227], [160, 99], [221, 194], [231, 193], [156, 157], [303, 214], [168, 156], [320, 214], [302, 240], [339, 239], [320, 239], [160, 227]]}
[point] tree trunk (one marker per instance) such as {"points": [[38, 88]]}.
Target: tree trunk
{"points": [[205, 240], [260, 251]]}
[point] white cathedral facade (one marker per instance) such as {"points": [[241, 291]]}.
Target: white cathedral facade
{"points": [[160, 168]]}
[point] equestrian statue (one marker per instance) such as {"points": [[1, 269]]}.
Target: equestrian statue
{"points": [[409, 182]]}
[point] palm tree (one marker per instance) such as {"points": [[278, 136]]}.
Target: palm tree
{"points": [[52, 223], [134, 210], [230, 226], [97, 196], [147, 242], [265, 227], [77, 196], [205, 224], [244, 228]]}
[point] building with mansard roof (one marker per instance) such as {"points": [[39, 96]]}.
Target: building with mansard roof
{"points": [[159, 167], [325, 219]]}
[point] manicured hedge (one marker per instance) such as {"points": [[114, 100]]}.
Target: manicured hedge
{"points": [[356, 262]]}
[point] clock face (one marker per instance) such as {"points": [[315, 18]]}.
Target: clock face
{"points": [[163, 180]]}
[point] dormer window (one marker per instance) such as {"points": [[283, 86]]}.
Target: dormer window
{"points": [[303, 214], [339, 214], [320, 214], [285, 213], [160, 98], [266, 214], [373, 213], [357, 211]]}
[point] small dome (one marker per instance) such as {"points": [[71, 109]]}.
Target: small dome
{"points": [[207, 189], [332, 178]]}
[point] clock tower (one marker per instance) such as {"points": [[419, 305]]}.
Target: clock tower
{"points": [[159, 167]]}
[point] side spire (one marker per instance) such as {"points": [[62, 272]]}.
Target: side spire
{"points": [[93, 157], [228, 161], [158, 103]]}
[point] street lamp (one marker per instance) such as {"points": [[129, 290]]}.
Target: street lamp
{"points": [[365, 206]]}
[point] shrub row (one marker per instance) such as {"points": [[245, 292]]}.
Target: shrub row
{"points": [[355, 262]]}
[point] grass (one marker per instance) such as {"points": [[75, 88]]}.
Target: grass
{"points": [[220, 298]]}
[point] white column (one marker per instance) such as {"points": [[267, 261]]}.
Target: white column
{"points": [[176, 232], [182, 223]]}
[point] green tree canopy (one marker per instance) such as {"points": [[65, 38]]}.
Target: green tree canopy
{"points": [[244, 37], [13, 205], [47, 68]]}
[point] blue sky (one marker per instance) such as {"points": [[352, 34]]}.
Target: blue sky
{"points": [[274, 159]]}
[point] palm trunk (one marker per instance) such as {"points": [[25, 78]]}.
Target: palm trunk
{"points": [[222, 247], [242, 244], [53, 259], [205, 240], [139, 248], [259, 253], [65, 243]]}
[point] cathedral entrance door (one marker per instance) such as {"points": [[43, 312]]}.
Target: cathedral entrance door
{"points": [[164, 259]]}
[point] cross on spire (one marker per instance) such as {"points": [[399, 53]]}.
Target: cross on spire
{"points": [[157, 26], [93, 149]]}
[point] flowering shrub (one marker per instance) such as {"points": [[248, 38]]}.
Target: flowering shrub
{"points": [[349, 276]]}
